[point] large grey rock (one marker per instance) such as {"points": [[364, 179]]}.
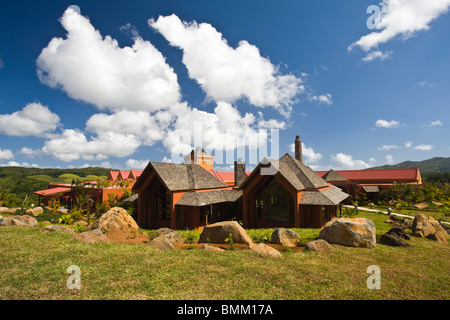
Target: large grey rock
{"points": [[393, 240], [117, 219], [357, 232], [161, 243], [34, 211], [218, 232], [93, 236], [170, 234], [399, 232], [208, 247], [285, 237], [265, 251], [5, 210], [428, 227], [319, 245], [24, 220]]}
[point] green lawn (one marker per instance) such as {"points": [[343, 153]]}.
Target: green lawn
{"points": [[33, 265]]}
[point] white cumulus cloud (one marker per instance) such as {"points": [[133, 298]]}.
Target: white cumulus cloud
{"points": [[346, 161], [424, 147], [401, 18], [387, 124], [72, 145], [226, 73], [6, 154], [33, 120], [94, 69]]}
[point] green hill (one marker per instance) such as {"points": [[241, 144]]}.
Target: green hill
{"points": [[432, 165]]}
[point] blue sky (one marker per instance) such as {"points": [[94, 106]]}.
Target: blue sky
{"points": [[121, 83]]}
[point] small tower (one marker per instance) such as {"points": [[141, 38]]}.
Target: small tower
{"points": [[200, 157]]}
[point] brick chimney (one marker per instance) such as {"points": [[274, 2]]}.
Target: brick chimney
{"points": [[239, 172], [298, 149]]}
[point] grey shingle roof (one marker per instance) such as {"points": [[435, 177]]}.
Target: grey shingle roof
{"points": [[326, 197], [300, 176], [333, 176], [203, 198], [179, 177]]}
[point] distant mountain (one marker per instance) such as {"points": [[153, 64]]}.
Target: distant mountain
{"points": [[437, 164]]}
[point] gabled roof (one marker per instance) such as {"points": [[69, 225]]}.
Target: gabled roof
{"points": [[123, 174], [300, 176], [134, 174], [325, 197], [179, 177], [198, 199], [113, 175], [333, 176]]}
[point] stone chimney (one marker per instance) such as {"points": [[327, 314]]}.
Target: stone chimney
{"points": [[298, 149], [239, 172]]}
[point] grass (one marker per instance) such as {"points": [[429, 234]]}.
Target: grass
{"points": [[33, 265]]}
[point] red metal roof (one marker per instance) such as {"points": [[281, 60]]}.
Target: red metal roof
{"points": [[113, 175], [52, 191], [224, 176], [378, 174], [134, 174], [124, 174]]}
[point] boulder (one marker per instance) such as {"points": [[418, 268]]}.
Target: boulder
{"points": [[34, 211], [393, 240], [57, 228], [356, 232], [117, 219], [208, 247], [445, 226], [24, 220], [80, 223], [265, 251], [170, 234], [161, 243], [93, 236], [428, 227], [422, 205], [218, 232], [399, 232], [5, 210], [285, 237], [319, 245]]}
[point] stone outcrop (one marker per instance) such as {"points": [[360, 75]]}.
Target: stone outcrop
{"points": [[161, 243], [319, 245], [57, 228], [24, 220], [285, 237], [93, 236], [265, 251], [5, 210], [117, 219], [357, 232], [427, 227], [170, 234], [218, 232], [34, 211]]}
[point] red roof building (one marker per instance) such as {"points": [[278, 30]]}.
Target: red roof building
{"points": [[370, 181]]}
